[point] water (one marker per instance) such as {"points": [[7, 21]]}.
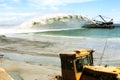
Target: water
{"points": [[85, 32], [69, 32]]}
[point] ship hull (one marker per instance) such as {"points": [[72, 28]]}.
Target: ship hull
{"points": [[98, 26]]}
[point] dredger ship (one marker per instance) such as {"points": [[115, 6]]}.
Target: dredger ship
{"points": [[103, 23]]}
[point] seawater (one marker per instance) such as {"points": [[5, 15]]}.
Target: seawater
{"points": [[85, 32]]}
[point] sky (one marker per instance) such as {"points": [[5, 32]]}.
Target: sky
{"points": [[16, 11]]}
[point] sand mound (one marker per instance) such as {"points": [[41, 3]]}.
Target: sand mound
{"points": [[4, 75]]}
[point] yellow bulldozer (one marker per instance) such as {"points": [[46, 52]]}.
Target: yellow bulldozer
{"points": [[78, 65]]}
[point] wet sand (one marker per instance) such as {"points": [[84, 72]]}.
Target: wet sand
{"points": [[107, 52], [29, 71]]}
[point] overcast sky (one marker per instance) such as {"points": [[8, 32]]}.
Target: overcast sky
{"points": [[15, 10]]}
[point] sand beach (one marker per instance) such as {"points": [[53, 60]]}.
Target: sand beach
{"points": [[34, 57]]}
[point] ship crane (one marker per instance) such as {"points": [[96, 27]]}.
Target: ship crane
{"points": [[106, 22]]}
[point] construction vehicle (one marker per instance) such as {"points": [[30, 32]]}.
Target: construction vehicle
{"points": [[103, 23], [78, 65]]}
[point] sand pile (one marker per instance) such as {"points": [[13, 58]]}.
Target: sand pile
{"points": [[4, 75]]}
